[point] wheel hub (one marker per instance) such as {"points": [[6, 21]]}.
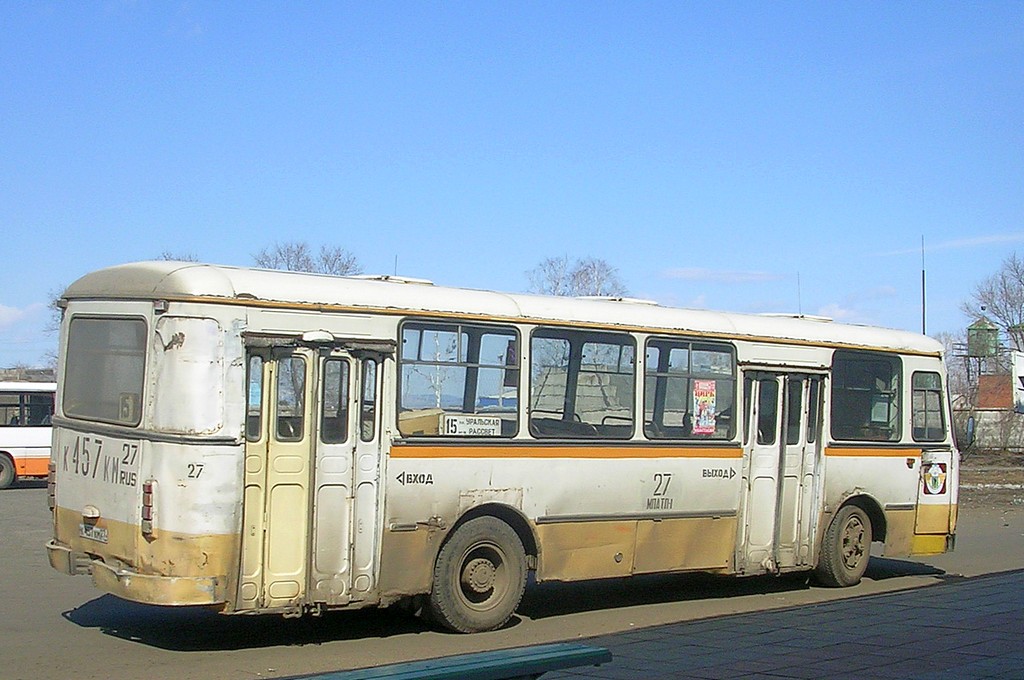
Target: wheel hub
{"points": [[478, 575], [853, 544]]}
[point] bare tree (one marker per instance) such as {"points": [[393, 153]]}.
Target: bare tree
{"points": [[56, 313], [593, 276], [178, 257], [338, 261], [1000, 298], [955, 345], [297, 256], [587, 276], [551, 277]]}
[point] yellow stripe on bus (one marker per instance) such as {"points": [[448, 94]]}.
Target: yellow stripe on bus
{"points": [[534, 451], [866, 452]]}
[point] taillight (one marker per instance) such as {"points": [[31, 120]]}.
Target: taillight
{"points": [[51, 485], [147, 507]]}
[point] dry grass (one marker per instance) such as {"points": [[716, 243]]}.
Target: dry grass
{"points": [[993, 479]]}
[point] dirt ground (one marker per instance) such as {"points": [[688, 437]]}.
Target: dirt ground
{"points": [[991, 479]]}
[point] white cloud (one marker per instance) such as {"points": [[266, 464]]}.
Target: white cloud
{"points": [[24, 339], [699, 302], [720, 275], [10, 316], [959, 244], [838, 312], [881, 293]]}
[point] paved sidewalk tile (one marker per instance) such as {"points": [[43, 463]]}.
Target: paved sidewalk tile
{"points": [[957, 629]]}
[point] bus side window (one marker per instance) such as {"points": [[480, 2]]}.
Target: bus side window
{"points": [[39, 408], [10, 409], [866, 396], [458, 380], [689, 390], [926, 407]]}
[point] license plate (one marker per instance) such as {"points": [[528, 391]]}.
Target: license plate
{"points": [[93, 532]]}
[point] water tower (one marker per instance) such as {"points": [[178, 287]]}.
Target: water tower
{"points": [[982, 339]]}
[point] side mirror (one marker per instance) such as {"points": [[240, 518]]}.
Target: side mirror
{"points": [[970, 431]]}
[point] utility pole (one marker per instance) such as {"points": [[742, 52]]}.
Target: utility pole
{"points": [[923, 315]]}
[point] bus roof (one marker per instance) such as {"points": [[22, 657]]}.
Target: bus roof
{"points": [[186, 281], [26, 386]]}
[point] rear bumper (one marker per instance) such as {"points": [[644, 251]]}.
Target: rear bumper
{"points": [[924, 544], [65, 560], [145, 588], [163, 590]]}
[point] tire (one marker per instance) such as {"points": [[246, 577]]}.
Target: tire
{"points": [[845, 549], [7, 472], [479, 577]]}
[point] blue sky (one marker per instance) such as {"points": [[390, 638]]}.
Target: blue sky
{"points": [[715, 153]]}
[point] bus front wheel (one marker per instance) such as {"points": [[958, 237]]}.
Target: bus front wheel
{"points": [[845, 549], [479, 577], [7, 473]]}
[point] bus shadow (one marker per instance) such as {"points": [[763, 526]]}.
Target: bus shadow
{"points": [[547, 600], [27, 484], [884, 568], [195, 629]]}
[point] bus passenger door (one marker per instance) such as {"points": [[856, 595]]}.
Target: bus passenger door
{"points": [[276, 499], [346, 479], [798, 470], [782, 443]]}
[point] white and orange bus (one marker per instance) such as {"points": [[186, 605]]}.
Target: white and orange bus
{"points": [[25, 412], [263, 441]]}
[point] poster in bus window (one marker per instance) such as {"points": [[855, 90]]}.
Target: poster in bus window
{"points": [[703, 407]]}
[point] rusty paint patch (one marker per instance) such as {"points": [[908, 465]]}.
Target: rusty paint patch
{"points": [[575, 551], [407, 561], [685, 544], [899, 532], [171, 569]]}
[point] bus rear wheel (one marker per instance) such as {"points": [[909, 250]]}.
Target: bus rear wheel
{"points": [[7, 472], [845, 549], [479, 577]]}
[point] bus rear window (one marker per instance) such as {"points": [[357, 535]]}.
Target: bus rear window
{"points": [[104, 370]]}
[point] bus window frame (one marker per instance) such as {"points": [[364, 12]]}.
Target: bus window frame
{"points": [[941, 392], [894, 423], [661, 342], [24, 408], [134, 422], [423, 325], [573, 426]]}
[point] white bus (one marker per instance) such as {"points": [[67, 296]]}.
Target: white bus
{"points": [[263, 441], [25, 412]]}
